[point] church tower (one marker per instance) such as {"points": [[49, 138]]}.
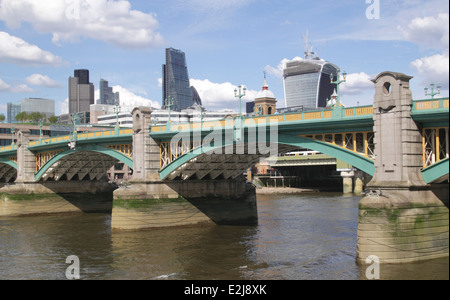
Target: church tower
{"points": [[265, 101]]}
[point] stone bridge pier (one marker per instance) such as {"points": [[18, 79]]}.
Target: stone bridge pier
{"points": [[401, 219], [149, 202], [26, 196]]}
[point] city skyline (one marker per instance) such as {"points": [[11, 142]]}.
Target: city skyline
{"points": [[227, 43]]}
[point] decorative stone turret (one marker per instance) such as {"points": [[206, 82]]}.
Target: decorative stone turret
{"points": [[400, 220]]}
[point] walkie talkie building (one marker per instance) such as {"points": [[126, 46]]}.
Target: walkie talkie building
{"points": [[307, 83]]}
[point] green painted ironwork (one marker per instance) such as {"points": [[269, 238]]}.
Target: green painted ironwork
{"points": [[354, 159], [85, 148], [436, 171], [8, 162]]}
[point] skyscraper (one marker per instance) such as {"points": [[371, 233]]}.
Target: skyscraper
{"points": [[81, 92], [176, 85], [307, 83], [107, 96], [82, 75], [12, 111]]}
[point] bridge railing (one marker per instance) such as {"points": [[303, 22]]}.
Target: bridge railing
{"points": [[336, 113], [83, 136], [430, 104], [8, 148]]}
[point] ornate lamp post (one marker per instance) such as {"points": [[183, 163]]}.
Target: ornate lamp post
{"points": [[41, 122], [242, 92], [433, 93], [73, 142], [169, 104], [117, 112], [338, 82], [13, 131]]}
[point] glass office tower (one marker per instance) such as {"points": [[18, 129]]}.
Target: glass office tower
{"points": [[176, 85], [12, 111], [307, 83]]}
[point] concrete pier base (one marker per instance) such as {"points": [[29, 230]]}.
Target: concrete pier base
{"points": [[402, 226], [183, 203], [347, 182], [24, 199]]}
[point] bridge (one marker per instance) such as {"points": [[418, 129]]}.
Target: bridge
{"points": [[191, 150], [403, 144]]}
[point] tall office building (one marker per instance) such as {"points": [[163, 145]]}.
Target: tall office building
{"points": [[12, 111], [46, 106], [82, 75], [307, 83], [81, 92], [176, 85], [107, 96]]}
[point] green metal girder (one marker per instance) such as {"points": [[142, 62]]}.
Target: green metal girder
{"points": [[436, 171], [354, 159], [8, 162], [83, 148]]}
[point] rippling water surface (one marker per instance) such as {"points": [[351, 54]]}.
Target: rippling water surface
{"points": [[309, 236]]}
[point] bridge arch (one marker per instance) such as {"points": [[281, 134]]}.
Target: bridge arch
{"points": [[436, 173], [86, 160], [8, 170], [202, 162]]}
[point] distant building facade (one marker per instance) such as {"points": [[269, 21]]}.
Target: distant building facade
{"points": [[307, 83], [175, 82], [12, 111], [46, 106], [30, 105], [81, 93], [107, 96]]}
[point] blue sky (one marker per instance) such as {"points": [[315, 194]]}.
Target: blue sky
{"points": [[227, 43]]}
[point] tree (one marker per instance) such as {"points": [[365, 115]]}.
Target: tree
{"points": [[37, 116], [53, 119], [22, 117], [2, 118]]}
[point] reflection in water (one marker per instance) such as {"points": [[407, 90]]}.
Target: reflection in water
{"points": [[298, 237]]}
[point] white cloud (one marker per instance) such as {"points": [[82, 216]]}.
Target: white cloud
{"points": [[63, 107], [16, 50], [4, 87], [111, 21], [216, 96], [278, 70], [434, 69], [128, 98], [429, 32], [21, 88], [433, 33], [357, 83], [42, 80]]}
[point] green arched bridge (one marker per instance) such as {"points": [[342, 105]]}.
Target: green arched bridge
{"points": [[224, 149]]}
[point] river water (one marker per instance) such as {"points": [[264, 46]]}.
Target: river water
{"points": [[308, 236]]}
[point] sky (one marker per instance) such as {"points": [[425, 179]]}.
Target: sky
{"points": [[227, 43]]}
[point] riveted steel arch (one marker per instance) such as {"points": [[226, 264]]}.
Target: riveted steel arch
{"points": [[85, 148], [8, 162], [358, 161]]}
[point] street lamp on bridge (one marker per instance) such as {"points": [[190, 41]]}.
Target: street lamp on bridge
{"points": [[338, 82], [41, 122], [169, 104], [433, 93], [13, 131], [117, 112], [242, 92]]}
